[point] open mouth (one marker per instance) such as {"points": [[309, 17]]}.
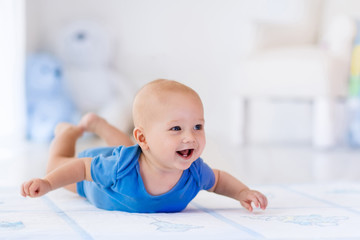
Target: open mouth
{"points": [[186, 153]]}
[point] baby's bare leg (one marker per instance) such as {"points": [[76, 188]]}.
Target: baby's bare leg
{"points": [[62, 148], [110, 134]]}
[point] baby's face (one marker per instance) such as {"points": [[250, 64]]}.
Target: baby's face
{"points": [[175, 132]]}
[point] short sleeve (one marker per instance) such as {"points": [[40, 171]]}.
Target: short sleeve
{"points": [[205, 174], [103, 170], [93, 152], [111, 164]]}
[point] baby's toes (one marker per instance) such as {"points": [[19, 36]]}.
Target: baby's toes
{"points": [[89, 122]]}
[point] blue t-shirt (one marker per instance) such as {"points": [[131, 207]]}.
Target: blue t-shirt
{"points": [[117, 183]]}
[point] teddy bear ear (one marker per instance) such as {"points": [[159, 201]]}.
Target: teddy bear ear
{"points": [[43, 72]]}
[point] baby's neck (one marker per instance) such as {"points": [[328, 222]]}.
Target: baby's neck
{"points": [[156, 180]]}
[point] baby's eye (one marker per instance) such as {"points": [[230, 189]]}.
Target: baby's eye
{"points": [[176, 128], [198, 127]]}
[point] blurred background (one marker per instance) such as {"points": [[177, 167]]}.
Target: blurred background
{"points": [[279, 79]]}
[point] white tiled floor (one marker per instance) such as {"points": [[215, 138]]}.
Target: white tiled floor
{"points": [[259, 164], [292, 208]]}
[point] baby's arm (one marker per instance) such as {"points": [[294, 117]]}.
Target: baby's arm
{"points": [[76, 170], [229, 186]]}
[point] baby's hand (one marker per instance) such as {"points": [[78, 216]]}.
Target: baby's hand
{"points": [[35, 188], [248, 196]]}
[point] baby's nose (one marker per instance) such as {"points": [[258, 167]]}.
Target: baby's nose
{"points": [[189, 137]]}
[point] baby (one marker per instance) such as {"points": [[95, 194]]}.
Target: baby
{"points": [[163, 172]]}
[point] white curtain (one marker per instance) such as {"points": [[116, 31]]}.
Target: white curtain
{"points": [[12, 52]]}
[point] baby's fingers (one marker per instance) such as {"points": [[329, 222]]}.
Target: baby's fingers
{"points": [[256, 198], [262, 200], [253, 198], [31, 188], [247, 205], [22, 190], [34, 189], [25, 188]]}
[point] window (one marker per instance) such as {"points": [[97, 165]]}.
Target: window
{"points": [[11, 70]]}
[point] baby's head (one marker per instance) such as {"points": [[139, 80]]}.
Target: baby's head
{"points": [[169, 123]]}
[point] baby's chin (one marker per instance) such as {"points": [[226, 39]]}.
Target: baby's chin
{"points": [[184, 164]]}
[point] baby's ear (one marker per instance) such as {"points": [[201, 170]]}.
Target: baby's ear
{"points": [[140, 138]]}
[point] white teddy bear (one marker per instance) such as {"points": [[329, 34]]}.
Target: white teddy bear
{"points": [[85, 49]]}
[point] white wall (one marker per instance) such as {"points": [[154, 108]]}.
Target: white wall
{"points": [[200, 43]]}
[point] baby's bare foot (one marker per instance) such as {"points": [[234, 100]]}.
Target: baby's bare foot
{"points": [[90, 121]]}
